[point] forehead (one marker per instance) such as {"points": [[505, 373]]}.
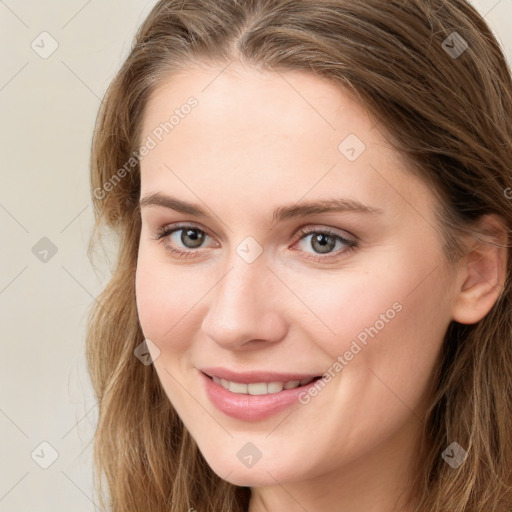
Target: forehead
{"points": [[274, 104], [259, 135]]}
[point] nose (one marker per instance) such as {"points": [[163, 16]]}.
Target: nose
{"points": [[244, 309]]}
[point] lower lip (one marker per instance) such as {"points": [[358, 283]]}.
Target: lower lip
{"points": [[251, 407]]}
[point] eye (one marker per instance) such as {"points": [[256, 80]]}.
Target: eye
{"points": [[183, 240], [323, 241], [188, 236]]}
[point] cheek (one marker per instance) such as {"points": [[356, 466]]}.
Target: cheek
{"points": [[395, 365], [152, 303], [349, 305], [164, 305], [170, 302], [162, 296], [390, 319]]}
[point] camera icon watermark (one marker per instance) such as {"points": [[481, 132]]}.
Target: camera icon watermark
{"points": [[454, 455], [44, 45], [455, 45], [249, 249], [249, 455], [147, 352], [44, 250], [44, 455], [351, 147]]}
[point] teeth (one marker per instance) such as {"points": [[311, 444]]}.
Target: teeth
{"points": [[260, 388], [275, 387], [235, 387], [292, 384]]}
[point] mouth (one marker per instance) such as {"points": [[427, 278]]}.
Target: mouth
{"points": [[254, 396], [261, 388]]}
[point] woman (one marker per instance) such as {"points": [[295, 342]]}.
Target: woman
{"points": [[311, 309]]}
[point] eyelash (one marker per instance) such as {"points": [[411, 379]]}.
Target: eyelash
{"points": [[165, 231]]}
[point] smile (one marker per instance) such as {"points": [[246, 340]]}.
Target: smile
{"points": [[262, 395], [260, 388]]}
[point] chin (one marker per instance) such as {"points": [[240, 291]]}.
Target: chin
{"points": [[252, 477], [263, 473]]}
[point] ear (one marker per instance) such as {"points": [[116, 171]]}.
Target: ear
{"points": [[482, 271]]}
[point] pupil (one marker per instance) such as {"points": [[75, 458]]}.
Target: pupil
{"points": [[195, 235], [326, 242]]}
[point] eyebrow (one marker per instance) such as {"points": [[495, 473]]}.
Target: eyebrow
{"points": [[280, 214]]}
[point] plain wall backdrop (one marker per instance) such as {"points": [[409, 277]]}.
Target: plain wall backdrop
{"points": [[57, 59]]}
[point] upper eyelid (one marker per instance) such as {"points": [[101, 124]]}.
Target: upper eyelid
{"points": [[177, 227]]}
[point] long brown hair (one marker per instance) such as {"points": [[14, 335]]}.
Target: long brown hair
{"points": [[445, 102]]}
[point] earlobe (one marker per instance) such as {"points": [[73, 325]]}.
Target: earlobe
{"points": [[483, 273]]}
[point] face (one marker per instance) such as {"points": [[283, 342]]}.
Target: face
{"points": [[283, 240]]}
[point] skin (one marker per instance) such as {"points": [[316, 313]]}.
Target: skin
{"points": [[259, 140]]}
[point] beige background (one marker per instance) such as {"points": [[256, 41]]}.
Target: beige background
{"points": [[48, 107]]}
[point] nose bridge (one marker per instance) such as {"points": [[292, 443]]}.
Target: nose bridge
{"points": [[240, 293], [242, 306]]}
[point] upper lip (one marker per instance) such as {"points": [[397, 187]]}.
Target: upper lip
{"points": [[251, 377]]}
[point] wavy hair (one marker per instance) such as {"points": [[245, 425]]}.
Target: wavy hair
{"points": [[446, 108]]}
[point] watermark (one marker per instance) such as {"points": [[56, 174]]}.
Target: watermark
{"points": [[44, 250], [508, 192], [44, 45], [355, 348], [454, 455], [249, 455], [44, 455], [152, 140], [352, 147], [455, 45], [249, 249], [147, 352]]}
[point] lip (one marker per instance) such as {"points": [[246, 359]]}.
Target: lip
{"points": [[252, 407], [255, 376]]}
